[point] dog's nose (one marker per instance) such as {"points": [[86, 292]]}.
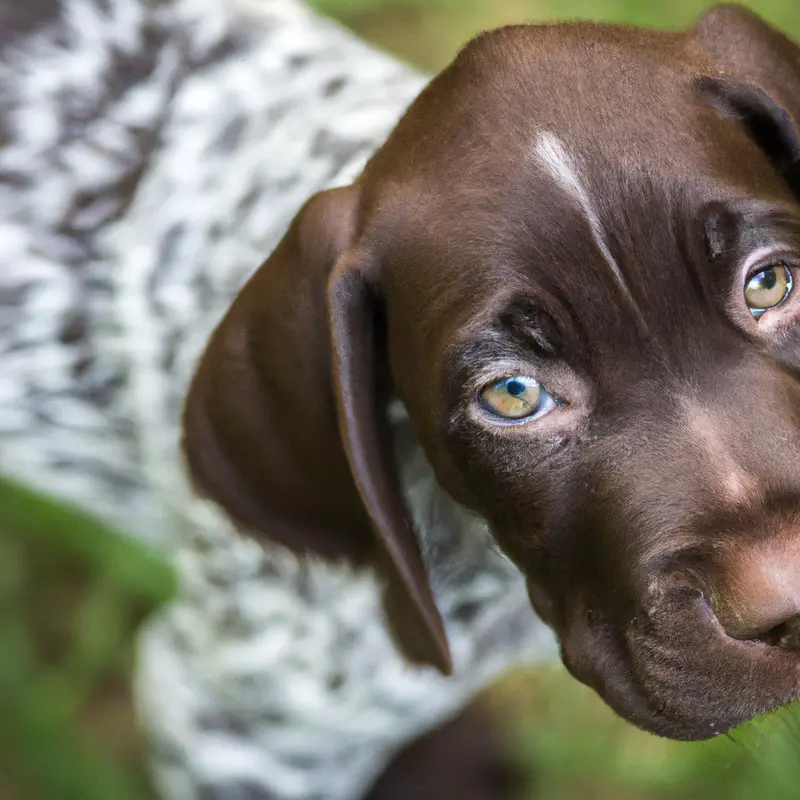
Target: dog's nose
{"points": [[785, 634], [773, 625], [757, 596]]}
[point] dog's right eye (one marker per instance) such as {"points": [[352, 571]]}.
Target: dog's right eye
{"points": [[516, 398]]}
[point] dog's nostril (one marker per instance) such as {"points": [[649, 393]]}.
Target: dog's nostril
{"points": [[769, 625], [756, 594], [785, 634]]}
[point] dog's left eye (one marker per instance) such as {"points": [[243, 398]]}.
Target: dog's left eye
{"points": [[768, 289], [517, 398]]}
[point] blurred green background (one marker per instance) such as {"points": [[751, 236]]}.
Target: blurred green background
{"points": [[429, 32], [72, 592]]}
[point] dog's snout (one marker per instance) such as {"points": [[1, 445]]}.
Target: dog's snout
{"points": [[757, 596], [779, 629], [778, 625]]}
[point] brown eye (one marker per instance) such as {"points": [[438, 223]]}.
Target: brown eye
{"points": [[518, 397], [767, 289]]}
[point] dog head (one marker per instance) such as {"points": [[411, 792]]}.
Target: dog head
{"points": [[573, 261]]}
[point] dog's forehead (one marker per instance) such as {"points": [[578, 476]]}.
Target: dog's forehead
{"points": [[554, 152], [525, 105], [598, 87]]}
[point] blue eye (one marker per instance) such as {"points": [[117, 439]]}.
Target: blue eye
{"points": [[517, 397]]}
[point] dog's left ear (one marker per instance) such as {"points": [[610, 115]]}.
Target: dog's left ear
{"points": [[285, 424], [758, 81]]}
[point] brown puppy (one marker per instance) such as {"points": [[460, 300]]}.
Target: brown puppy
{"points": [[573, 263]]}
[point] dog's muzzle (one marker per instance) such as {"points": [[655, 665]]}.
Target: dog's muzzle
{"points": [[676, 671]]}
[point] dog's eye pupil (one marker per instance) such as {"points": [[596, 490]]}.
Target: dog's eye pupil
{"points": [[518, 397], [768, 289], [515, 387]]}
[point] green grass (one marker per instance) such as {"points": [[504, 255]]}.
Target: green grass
{"points": [[72, 594], [573, 746]]}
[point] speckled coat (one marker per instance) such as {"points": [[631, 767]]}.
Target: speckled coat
{"points": [[153, 154]]}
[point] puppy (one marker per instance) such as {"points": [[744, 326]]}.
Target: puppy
{"points": [[572, 262], [540, 353]]}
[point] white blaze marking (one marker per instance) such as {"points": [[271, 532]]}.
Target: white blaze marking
{"points": [[553, 156]]}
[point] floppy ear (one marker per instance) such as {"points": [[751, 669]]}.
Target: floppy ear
{"points": [[285, 422], [758, 81]]}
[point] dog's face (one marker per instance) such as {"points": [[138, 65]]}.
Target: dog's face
{"points": [[600, 347], [580, 249]]}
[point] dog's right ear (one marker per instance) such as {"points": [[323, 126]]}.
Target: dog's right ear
{"points": [[285, 423], [757, 81]]}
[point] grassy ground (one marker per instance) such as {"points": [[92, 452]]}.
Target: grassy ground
{"points": [[72, 593]]}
